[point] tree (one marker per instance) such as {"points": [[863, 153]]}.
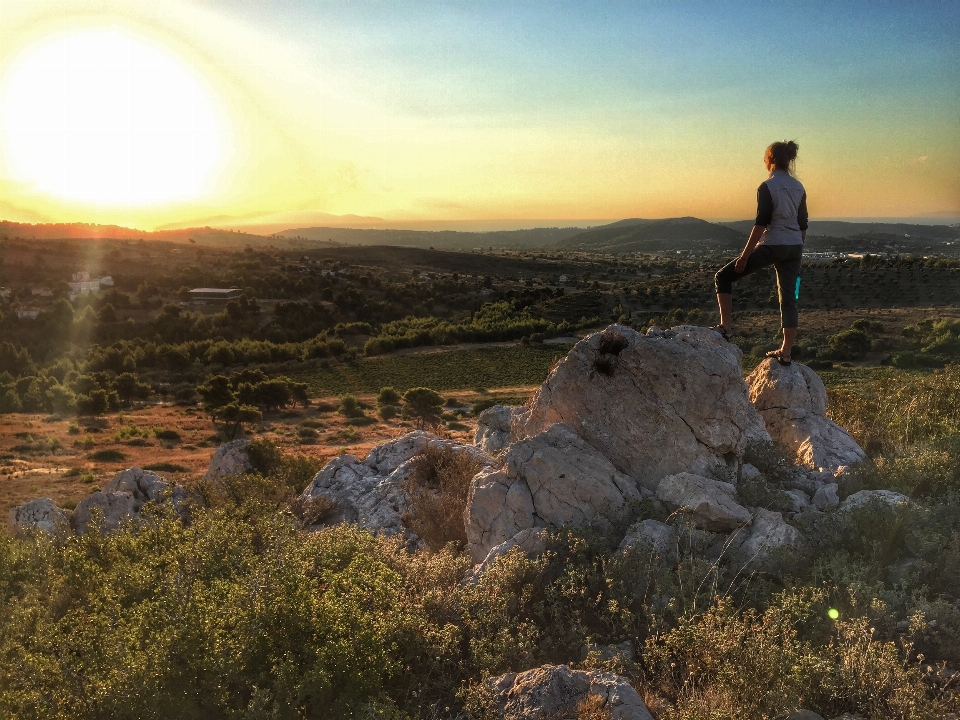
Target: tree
{"points": [[216, 392], [10, 402], [422, 404], [234, 416], [96, 403], [273, 394], [388, 396], [129, 387]]}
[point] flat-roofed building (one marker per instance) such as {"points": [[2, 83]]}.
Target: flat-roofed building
{"points": [[201, 296]]}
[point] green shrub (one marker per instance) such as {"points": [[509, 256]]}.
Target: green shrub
{"points": [[388, 396], [850, 345], [166, 467], [107, 456], [166, 434]]}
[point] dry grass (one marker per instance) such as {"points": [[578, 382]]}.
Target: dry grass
{"points": [[437, 491], [593, 707], [312, 511]]}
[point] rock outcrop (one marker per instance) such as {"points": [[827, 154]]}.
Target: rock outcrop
{"points": [[554, 692], [793, 403], [554, 478], [529, 541], [865, 497], [123, 497], [369, 492], [708, 502], [42, 514], [493, 429], [230, 459], [654, 405]]}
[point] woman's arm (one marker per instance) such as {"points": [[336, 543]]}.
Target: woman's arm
{"points": [[748, 249]]}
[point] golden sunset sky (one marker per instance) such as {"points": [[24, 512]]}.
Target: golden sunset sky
{"points": [[241, 113]]}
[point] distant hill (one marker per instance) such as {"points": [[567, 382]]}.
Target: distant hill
{"points": [[843, 229], [439, 239], [684, 233]]}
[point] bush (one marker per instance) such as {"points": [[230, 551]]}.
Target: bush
{"points": [[422, 404], [107, 456], [850, 345], [387, 412], [436, 490], [350, 407], [388, 396], [166, 434]]}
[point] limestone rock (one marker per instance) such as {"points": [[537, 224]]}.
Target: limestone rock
{"points": [[115, 506], [812, 440], [144, 486], [826, 497], [659, 537], [493, 429], [41, 513], [768, 532], [654, 405], [230, 459], [369, 493], [553, 692], [805, 715], [529, 541], [799, 499], [553, 478], [773, 385], [888, 497], [709, 502]]}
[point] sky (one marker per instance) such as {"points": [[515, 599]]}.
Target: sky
{"points": [[453, 114]]}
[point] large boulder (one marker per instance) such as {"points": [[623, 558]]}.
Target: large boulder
{"points": [[230, 459], [655, 405], [493, 428], [41, 513], [369, 492], [529, 541], [708, 502], [793, 403], [555, 692], [554, 478]]}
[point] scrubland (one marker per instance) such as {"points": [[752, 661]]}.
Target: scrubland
{"points": [[241, 611]]}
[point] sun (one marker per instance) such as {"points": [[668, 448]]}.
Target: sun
{"points": [[101, 116]]}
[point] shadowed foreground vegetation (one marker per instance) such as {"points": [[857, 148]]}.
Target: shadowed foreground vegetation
{"points": [[240, 613]]}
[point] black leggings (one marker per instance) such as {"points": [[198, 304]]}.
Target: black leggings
{"points": [[786, 260]]}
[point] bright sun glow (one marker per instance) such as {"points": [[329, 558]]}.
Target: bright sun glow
{"points": [[101, 116]]}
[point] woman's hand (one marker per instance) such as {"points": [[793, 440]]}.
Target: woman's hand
{"points": [[741, 263]]}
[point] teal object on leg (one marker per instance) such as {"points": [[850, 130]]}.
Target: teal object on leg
{"points": [[796, 294]]}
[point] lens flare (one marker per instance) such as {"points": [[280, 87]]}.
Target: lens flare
{"points": [[833, 614]]}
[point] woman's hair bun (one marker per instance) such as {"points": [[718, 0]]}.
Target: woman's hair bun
{"points": [[783, 153]]}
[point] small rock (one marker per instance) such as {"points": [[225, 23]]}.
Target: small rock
{"points": [[555, 691], [493, 429], [805, 715], [41, 513], [773, 385], [799, 499], [709, 502], [144, 486], [826, 497], [658, 536], [230, 459], [887, 497], [768, 532], [750, 473], [529, 541]]}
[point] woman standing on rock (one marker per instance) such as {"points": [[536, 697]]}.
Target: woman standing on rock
{"points": [[776, 239]]}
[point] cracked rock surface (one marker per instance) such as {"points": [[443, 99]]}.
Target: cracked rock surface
{"points": [[552, 479], [368, 492], [551, 692], [667, 402]]}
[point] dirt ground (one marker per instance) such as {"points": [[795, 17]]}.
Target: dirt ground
{"points": [[66, 459]]}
